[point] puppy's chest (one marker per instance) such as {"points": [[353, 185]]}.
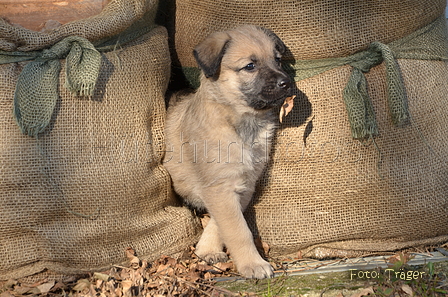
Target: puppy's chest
{"points": [[255, 135]]}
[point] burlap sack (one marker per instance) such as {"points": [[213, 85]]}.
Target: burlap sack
{"points": [[311, 29], [91, 184], [329, 195], [323, 192]]}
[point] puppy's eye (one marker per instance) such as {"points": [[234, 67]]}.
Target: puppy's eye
{"points": [[249, 67], [278, 60]]}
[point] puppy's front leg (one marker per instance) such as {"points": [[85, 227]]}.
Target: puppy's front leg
{"points": [[224, 206]]}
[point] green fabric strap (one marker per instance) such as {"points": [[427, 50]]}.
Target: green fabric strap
{"points": [[36, 91], [359, 106], [427, 43]]}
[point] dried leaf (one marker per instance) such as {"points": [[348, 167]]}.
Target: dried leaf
{"points": [[180, 267], [193, 276], [118, 292], [171, 262], [152, 285], [144, 265], [45, 288], [99, 283], [364, 292], [203, 267], [81, 285], [130, 253], [286, 108], [110, 286], [224, 266], [262, 246], [165, 269], [166, 276], [186, 254], [134, 263], [394, 259], [124, 274], [407, 289], [193, 266], [162, 268], [133, 259], [101, 276], [400, 257], [266, 248], [126, 284], [92, 290], [21, 290], [58, 286]]}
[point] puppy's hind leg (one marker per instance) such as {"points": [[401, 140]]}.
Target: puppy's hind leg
{"points": [[210, 246]]}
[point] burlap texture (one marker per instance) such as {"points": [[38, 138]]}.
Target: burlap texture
{"points": [[92, 184], [323, 189], [116, 17], [323, 192], [426, 43], [36, 91], [310, 29]]}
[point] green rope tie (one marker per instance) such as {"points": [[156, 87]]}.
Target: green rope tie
{"points": [[357, 101], [427, 43], [36, 91]]}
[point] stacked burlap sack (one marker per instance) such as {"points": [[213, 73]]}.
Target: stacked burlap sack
{"points": [[81, 121], [360, 165]]}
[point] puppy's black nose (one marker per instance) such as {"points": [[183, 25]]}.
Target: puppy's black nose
{"points": [[284, 83]]}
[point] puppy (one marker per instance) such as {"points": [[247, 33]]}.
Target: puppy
{"points": [[218, 139]]}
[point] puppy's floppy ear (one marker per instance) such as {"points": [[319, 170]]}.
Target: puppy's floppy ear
{"points": [[279, 45], [209, 52]]}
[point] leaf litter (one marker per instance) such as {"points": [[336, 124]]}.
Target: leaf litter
{"points": [[186, 275], [167, 276]]}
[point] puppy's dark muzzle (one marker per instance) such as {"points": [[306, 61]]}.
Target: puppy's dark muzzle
{"points": [[276, 87], [276, 92], [281, 84], [284, 83]]}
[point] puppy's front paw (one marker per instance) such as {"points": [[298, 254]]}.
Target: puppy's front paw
{"points": [[257, 269], [213, 257]]}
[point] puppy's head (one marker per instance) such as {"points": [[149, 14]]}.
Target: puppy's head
{"points": [[245, 64]]}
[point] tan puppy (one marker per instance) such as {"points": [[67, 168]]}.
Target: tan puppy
{"points": [[218, 139]]}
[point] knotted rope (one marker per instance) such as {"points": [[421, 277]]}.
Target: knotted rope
{"points": [[427, 43], [359, 106], [37, 85], [36, 92]]}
